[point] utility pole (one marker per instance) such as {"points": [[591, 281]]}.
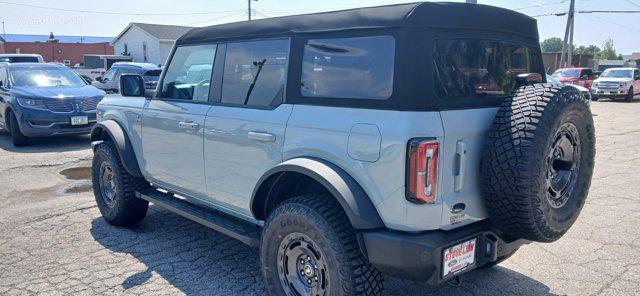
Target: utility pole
{"points": [[249, 9], [567, 44], [4, 34]]}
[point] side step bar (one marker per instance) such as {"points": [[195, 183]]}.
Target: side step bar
{"points": [[216, 220]]}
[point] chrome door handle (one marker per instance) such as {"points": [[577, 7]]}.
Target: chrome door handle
{"points": [[262, 137], [460, 161], [188, 125]]}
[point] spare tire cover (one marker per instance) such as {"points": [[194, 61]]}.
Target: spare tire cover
{"points": [[538, 162]]}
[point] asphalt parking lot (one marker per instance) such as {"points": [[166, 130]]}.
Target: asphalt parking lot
{"points": [[53, 240]]}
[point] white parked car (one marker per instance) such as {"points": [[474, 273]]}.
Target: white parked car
{"points": [[617, 83], [583, 90]]}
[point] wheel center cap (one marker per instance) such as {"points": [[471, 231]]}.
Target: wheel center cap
{"points": [[308, 271]]}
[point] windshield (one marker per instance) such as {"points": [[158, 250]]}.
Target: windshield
{"points": [[552, 80], [152, 75], [617, 74], [19, 59], [49, 77], [574, 73]]}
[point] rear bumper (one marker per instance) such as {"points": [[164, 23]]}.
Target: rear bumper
{"points": [[418, 256]]}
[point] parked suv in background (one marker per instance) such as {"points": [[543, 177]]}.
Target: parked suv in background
{"points": [[38, 99], [578, 76], [617, 83], [404, 139], [110, 81]]}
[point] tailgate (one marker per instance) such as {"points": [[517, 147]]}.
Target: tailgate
{"points": [[464, 138]]}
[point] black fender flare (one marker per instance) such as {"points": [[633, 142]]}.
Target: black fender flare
{"points": [[121, 141], [352, 198]]}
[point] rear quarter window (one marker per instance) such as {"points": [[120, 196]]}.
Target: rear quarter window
{"points": [[480, 68], [350, 68]]}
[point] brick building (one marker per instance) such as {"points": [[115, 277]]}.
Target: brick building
{"points": [[54, 51]]}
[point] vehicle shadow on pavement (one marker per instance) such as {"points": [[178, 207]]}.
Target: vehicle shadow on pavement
{"points": [[197, 261], [47, 144]]}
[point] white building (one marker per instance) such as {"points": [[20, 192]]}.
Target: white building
{"points": [[149, 43]]}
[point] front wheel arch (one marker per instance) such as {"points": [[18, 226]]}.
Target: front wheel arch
{"points": [[110, 130]]}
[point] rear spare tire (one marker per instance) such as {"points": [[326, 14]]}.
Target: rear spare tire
{"points": [[538, 162]]}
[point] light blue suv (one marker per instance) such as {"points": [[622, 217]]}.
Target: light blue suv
{"points": [[415, 140]]}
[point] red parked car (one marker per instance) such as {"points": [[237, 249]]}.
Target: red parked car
{"points": [[578, 76]]}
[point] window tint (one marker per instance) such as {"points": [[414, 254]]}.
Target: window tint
{"points": [[111, 74], [477, 68], [587, 72], [188, 75], [255, 72], [353, 68]]}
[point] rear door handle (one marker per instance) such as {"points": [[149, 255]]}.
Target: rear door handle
{"points": [[460, 161], [262, 137], [188, 125]]}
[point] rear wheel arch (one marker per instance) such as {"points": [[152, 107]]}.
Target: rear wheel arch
{"points": [[300, 176], [110, 130]]}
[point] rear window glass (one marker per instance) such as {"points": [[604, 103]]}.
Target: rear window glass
{"points": [[480, 68], [152, 73], [19, 59], [350, 68]]}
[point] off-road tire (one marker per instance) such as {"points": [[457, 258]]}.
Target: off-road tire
{"points": [[321, 218], [126, 209], [17, 138], [516, 161], [629, 97]]}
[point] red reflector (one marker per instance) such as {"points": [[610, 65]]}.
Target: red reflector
{"points": [[422, 171]]}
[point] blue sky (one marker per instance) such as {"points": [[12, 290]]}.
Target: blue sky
{"points": [[624, 29]]}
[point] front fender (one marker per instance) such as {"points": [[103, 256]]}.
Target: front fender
{"points": [[116, 133], [352, 198]]}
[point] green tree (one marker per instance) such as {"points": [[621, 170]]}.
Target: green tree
{"points": [[609, 51], [591, 49], [553, 44]]}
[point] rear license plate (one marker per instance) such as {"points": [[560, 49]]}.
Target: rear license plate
{"points": [[79, 120], [458, 258]]}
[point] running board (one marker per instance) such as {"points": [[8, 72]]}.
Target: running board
{"points": [[231, 226]]}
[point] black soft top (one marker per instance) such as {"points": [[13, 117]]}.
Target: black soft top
{"points": [[423, 14]]}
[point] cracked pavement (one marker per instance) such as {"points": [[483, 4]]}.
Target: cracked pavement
{"points": [[53, 240]]}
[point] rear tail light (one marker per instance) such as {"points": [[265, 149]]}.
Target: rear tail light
{"points": [[422, 171]]}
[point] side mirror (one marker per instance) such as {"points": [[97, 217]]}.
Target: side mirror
{"points": [[528, 78], [99, 79], [2, 85], [132, 85]]}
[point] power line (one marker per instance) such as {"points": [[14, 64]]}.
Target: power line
{"points": [[217, 18], [588, 11], [541, 5], [113, 13], [615, 23]]}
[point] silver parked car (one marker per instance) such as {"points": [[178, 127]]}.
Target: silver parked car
{"points": [[404, 140]]}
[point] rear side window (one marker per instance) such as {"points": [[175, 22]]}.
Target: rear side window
{"points": [[189, 73], [480, 68], [255, 72], [350, 68]]}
